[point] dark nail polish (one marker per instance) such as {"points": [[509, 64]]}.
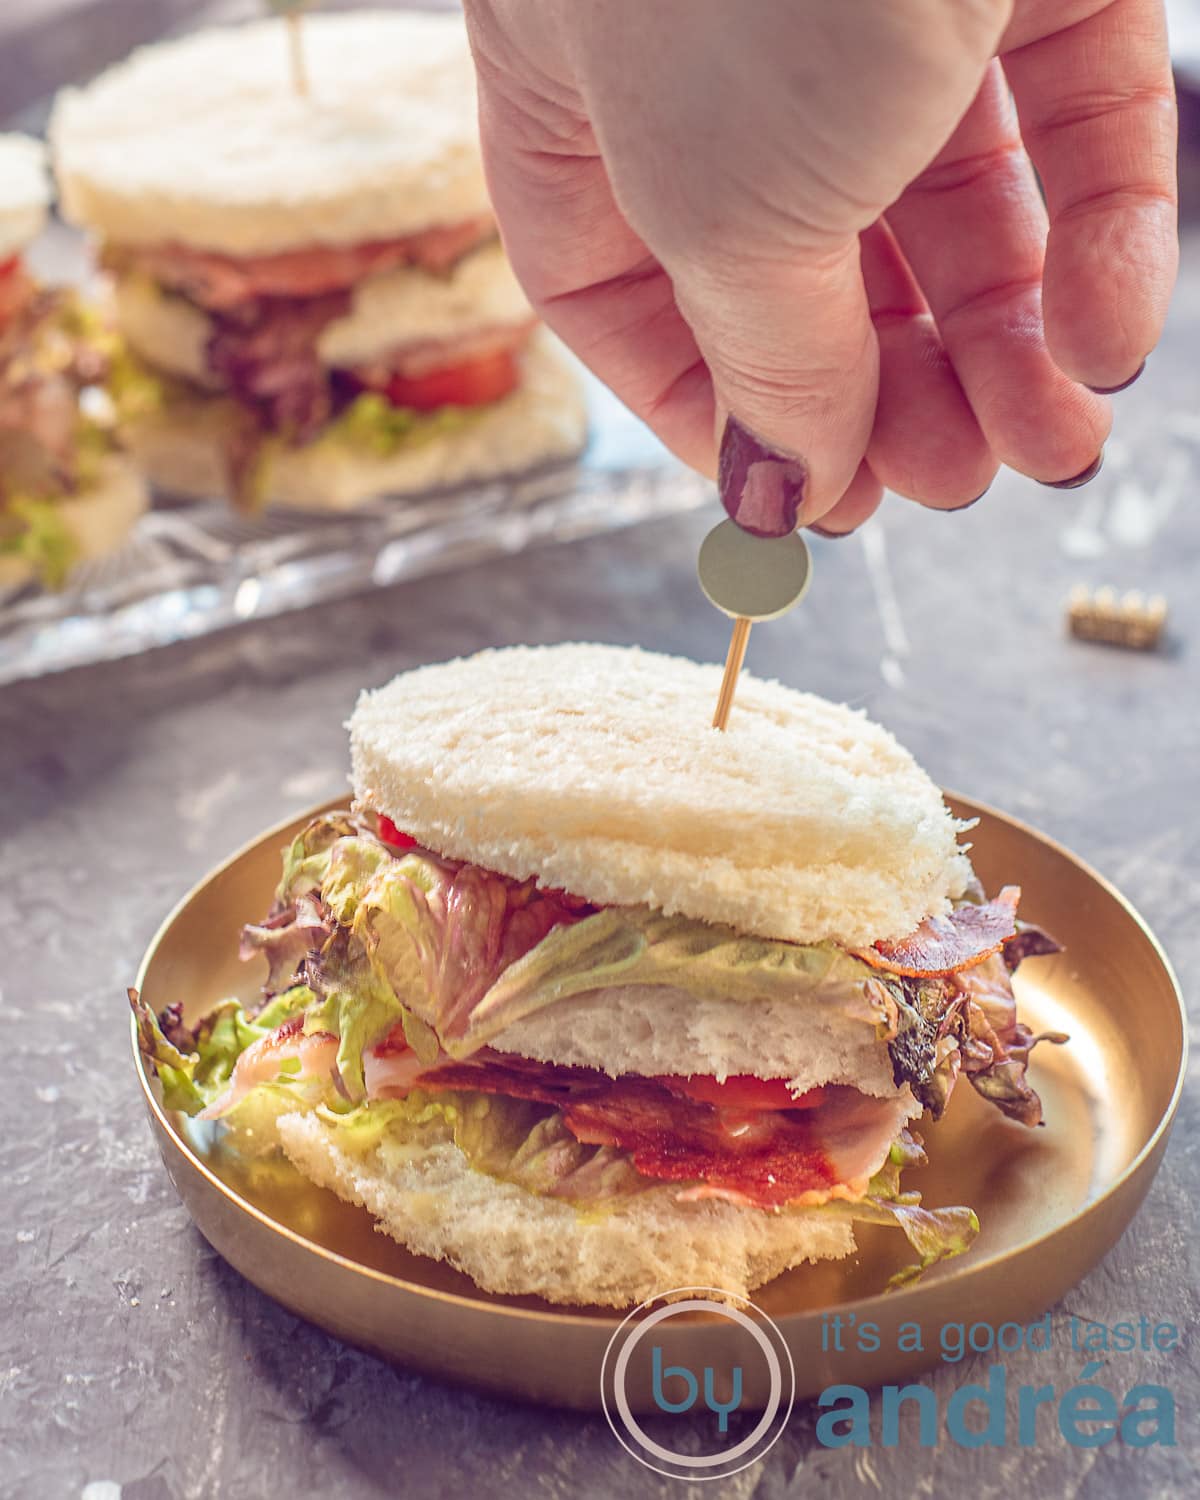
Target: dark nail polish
{"points": [[967, 504], [1077, 479], [1111, 390], [832, 536], [762, 490]]}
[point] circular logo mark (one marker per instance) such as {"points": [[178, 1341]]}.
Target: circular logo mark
{"points": [[698, 1383]]}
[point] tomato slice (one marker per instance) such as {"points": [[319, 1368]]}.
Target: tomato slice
{"points": [[742, 1091], [474, 382], [7, 267], [390, 834]]}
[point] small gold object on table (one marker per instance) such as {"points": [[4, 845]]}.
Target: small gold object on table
{"points": [[1129, 620]]}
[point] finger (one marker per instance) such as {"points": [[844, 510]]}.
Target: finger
{"points": [[787, 339], [972, 227], [926, 443], [587, 274], [863, 497], [1097, 110]]}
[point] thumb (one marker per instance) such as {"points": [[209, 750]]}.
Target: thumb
{"points": [[794, 362]]}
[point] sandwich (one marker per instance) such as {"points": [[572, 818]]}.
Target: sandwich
{"points": [[594, 1002], [67, 493], [313, 281]]}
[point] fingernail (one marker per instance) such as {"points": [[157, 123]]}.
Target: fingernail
{"points": [[1077, 479], [832, 536], [1111, 390], [762, 490], [967, 504]]}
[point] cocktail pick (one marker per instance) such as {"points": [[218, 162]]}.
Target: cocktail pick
{"points": [[291, 11], [749, 578]]}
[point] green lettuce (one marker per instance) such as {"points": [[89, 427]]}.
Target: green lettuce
{"points": [[307, 858], [195, 1066], [371, 422], [512, 1140], [638, 946], [353, 1003], [40, 537], [934, 1233]]}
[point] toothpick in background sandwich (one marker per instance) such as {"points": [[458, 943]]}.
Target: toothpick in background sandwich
{"points": [[66, 491], [593, 1001], [314, 282]]}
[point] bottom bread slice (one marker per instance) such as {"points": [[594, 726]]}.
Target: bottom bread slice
{"points": [[509, 1240]]}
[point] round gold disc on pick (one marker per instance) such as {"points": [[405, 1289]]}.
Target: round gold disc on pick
{"points": [[752, 577]]}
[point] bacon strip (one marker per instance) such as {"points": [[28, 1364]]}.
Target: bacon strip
{"points": [[765, 1157], [220, 282], [947, 945]]}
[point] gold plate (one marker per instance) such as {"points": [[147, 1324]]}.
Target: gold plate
{"points": [[1051, 1202]]}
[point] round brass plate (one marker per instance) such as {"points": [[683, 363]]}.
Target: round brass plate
{"points": [[1051, 1201]]}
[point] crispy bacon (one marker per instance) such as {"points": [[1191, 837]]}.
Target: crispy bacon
{"points": [[765, 1157], [220, 282], [947, 945]]}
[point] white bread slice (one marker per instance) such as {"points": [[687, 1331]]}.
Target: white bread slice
{"points": [[99, 518], [403, 306], [179, 446], [24, 192], [204, 140], [596, 769], [656, 1029], [512, 1241]]}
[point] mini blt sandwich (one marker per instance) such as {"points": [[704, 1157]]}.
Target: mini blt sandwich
{"points": [[313, 281], [593, 1001], [66, 491]]}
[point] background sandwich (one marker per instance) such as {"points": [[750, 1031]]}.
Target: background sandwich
{"points": [[314, 282], [593, 1002], [66, 491]]}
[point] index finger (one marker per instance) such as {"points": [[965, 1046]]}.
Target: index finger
{"points": [[1097, 108]]}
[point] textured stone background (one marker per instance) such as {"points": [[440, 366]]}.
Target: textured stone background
{"points": [[134, 1364]]}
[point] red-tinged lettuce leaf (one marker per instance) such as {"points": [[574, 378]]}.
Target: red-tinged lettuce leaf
{"points": [[995, 1046], [196, 1066], [286, 938]]}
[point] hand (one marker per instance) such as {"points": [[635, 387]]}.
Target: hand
{"points": [[821, 218]]}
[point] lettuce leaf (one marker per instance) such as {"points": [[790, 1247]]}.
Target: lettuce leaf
{"points": [[306, 859], [36, 533], [442, 936], [353, 1003], [638, 946], [287, 938], [995, 1046], [192, 1078], [513, 1140], [372, 423], [934, 1233]]}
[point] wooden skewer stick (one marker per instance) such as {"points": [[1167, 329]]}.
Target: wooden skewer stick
{"points": [[296, 43], [738, 642]]}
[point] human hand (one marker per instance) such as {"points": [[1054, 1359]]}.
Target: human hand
{"points": [[821, 219]]}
